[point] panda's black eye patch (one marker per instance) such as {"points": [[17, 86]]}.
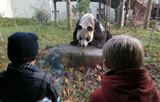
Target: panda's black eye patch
{"points": [[89, 28], [80, 38], [79, 27], [87, 39]]}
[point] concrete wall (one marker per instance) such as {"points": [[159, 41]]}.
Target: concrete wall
{"points": [[5, 8], [26, 8], [155, 1]]}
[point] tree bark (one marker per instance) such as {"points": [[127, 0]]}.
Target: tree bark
{"points": [[104, 13], [107, 9], [13, 14], [55, 10], [127, 12], [99, 16], [1, 35], [121, 14], [69, 15], [148, 14]]}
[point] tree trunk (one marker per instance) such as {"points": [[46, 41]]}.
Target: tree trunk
{"points": [[55, 10], [109, 12], [148, 14], [104, 15], [13, 14], [1, 22], [121, 14], [99, 15], [69, 15], [107, 9], [127, 12], [80, 14], [0, 35]]}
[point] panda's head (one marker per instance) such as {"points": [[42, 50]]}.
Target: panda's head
{"points": [[85, 34]]}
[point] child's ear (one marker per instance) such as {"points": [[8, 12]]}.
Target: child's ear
{"points": [[107, 64]]}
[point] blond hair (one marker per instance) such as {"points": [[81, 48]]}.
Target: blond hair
{"points": [[123, 52]]}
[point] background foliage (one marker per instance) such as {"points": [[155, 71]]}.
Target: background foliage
{"points": [[82, 6]]}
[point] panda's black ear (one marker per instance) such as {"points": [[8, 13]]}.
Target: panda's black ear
{"points": [[89, 28], [79, 27]]}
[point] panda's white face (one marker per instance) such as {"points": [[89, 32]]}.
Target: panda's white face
{"points": [[85, 35]]}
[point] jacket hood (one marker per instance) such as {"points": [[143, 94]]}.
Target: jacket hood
{"points": [[129, 85]]}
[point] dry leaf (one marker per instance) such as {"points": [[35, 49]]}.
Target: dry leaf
{"points": [[64, 93], [66, 80], [53, 80], [98, 67], [77, 99], [75, 75], [40, 52], [98, 78], [4, 57], [158, 54], [4, 64], [74, 86], [83, 69]]}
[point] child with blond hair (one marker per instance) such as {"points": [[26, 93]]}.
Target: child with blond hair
{"points": [[126, 80]]}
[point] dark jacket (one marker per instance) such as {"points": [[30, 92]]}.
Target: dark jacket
{"points": [[129, 85], [25, 85]]}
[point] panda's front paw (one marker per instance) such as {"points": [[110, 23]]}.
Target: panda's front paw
{"points": [[74, 43]]}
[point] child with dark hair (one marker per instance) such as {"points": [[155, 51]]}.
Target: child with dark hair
{"points": [[22, 81], [126, 81]]}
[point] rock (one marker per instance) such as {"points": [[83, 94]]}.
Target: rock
{"points": [[74, 56]]}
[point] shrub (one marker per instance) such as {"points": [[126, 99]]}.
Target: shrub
{"points": [[82, 7], [42, 15], [151, 24]]}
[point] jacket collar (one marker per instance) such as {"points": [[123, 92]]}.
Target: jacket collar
{"points": [[24, 66]]}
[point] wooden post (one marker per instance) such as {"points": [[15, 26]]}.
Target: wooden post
{"points": [[69, 15], [148, 14], [121, 14], [127, 12], [55, 10]]}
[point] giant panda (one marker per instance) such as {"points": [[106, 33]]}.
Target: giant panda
{"points": [[89, 31]]}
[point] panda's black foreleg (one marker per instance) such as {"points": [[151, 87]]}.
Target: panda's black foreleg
{"points": [[75, 40], [109, 36]]}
